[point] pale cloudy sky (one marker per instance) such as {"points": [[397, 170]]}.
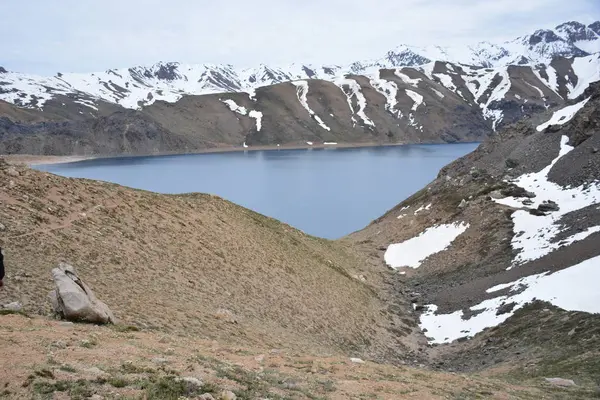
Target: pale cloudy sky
{"points": [[42, 36]]}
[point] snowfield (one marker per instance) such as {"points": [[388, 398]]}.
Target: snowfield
{"points": [[574, 289], [412, 252], [563, 115], [534, 235]]}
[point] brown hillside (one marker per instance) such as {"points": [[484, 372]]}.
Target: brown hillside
{"points": [[190, 264]]}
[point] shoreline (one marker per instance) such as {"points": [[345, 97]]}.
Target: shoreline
{"points": [[33, 160]]}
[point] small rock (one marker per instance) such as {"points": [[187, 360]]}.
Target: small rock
{"points": [[227, 395], [59, 344], [511, 163], [462, 204], [15, 306], [536, 212], [160, 361], [96, 397], [259, 358], [226, 315], [560, 382], [357, 360], [206, 396], [12, 171], [505, 308], [548, 206], [2, 228], [193, 384], [594, 150], [571, 332]]}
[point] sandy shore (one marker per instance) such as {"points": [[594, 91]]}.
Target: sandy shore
{"points": [[30, 159]]}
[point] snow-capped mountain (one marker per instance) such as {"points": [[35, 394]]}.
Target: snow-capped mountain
{"points": [[142, 85]]}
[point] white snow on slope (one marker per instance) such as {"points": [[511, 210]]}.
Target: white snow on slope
{"points": [[563, 115], [235, 108], [407, 79], [389, 90], [257, 115], [533, 235], [354, 91], [418, 100], [550, 83], [587, 70], [412, 252], [423, 207], [416, 97], [302, 92], [440, 94], [574, 289]]}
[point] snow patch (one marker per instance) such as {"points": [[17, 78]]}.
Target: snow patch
{"points": [[257, 115], [574, 289], [534, 235], [412, 252], [302, 91], [587, 70], [388, 89], [563, 115], [407, 79], [354, 91]]}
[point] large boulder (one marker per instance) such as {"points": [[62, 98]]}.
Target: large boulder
{"points": [[73, 300]]}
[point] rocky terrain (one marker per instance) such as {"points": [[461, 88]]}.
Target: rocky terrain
{"points": [[409, 96], [514, 222]]}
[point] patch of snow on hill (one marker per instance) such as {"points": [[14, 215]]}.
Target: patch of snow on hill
{"points": [[354, 91], [388, 89], [534, 236], [407, 79], [418, 100], [574, 289], [257, 115], [235, 108], [302, 92], [412, 252], [563, 115], [440, 94], [416, 97], [587, 70]]}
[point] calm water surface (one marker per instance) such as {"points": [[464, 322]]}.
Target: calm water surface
{"points": [[325, 192]]}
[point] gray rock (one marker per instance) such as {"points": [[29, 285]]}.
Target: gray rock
{"points": [[2, 228], [227, 395], [462, 204], [193, 384], [12, 171], [206, 396], [14, 306], [160, 361], [548, 206], [73, 300], [560, 382]]}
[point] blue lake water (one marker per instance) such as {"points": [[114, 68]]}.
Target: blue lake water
{"points": [[325, 192]]}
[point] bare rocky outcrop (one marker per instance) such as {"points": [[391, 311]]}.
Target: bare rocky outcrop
{"points": [[74, 300]]}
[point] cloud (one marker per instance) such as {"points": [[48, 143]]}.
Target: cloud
{"points": [[68, 35]]}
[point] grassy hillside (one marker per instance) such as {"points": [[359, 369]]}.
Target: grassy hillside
{"points": [[190, 264]]}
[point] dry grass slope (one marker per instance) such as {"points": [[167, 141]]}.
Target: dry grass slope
{"points": [[175, 263]]}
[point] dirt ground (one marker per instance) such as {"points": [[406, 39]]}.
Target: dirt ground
{"points": [[47, 359]]}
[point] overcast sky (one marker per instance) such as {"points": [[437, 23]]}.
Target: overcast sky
{"points": [[45, 37]]}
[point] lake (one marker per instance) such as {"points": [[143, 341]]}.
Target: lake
{"points": [[324, 192]]}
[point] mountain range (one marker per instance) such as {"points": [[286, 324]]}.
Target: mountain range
{"points": [[412, 94]]}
